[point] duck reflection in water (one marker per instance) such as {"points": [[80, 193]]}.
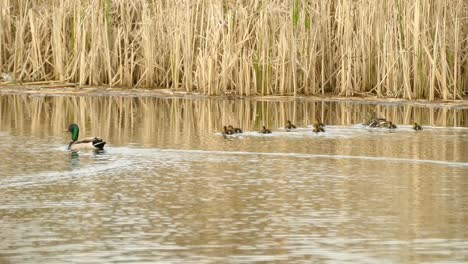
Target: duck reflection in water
{"points": [[74, 160]]}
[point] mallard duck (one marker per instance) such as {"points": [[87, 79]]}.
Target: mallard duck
{"points": [[374, 121], [318, 128], [227, 131], [236, 130], [289, 125], [265, 130], [94, 143], [417, 127]]}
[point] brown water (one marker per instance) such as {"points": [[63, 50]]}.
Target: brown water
{"points": [[170, 188]]}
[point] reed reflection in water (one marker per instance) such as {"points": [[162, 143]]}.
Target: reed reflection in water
{"points": [[112, 115], [170, 188]]}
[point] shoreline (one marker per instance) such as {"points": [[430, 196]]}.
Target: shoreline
{"points": [[65, 90]]}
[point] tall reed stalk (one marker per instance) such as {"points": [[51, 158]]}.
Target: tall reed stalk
{"points": [[395, 48]]}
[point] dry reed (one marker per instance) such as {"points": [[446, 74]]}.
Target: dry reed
{"points": [[396, 48]]}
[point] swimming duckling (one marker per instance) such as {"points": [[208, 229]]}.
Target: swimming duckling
{"points": [[389, 125], [318, 128], [227, 131], [236, 130], [417, 127], [319, 124], [289, 125], [94, 143], [265, 131]]}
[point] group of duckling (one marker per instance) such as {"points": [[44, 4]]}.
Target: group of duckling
{"points": [[318, 126], [384, 123], [230, 130]]}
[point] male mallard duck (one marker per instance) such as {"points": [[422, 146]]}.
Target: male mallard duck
{"points": [[236, 130], [265, 131], [318, 128], [417, 127], [227, 131], [86, 143], [289, 125]]}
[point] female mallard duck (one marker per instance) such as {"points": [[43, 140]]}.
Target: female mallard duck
{"points": [[376, 122], [94, 143], [417, 127], [236, 130], [318, 128], [373, 121], [227, 131], [265, 130], [289, 125]]}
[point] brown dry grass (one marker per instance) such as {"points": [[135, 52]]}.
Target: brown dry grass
{"points": [[395, 48]]}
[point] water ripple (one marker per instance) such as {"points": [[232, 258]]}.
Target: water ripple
{"points": [[225, 154]]}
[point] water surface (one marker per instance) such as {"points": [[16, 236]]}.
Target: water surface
{"points": [[170, 188]]}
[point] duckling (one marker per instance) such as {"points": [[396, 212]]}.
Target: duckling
{"points": [[289, 125], [94, 143], [417, 127], [318, 128], [227, 131], [389, 125], [265, 131], [319, 124], [236, 130]]}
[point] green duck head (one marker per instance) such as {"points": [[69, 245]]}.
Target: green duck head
{"points": [[74, 130]]}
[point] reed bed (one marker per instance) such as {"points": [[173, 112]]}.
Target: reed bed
{"points": [[396, 48]]}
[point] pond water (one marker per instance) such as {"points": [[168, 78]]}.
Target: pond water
{"points": [[170, 188]]}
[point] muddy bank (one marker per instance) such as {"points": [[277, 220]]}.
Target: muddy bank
{"points": [[61, 90]]}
